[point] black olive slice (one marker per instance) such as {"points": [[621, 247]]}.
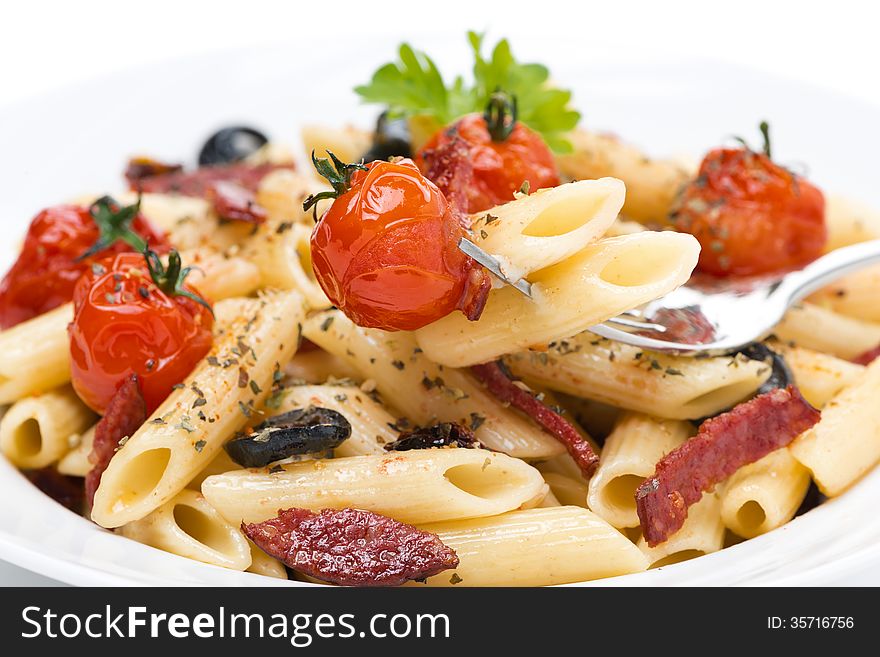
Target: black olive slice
{"points": [[301, 431], [391, 138], [444, 434], [780, 377], [231, 145]]}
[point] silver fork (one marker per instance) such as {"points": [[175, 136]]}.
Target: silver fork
{"points": [[717, 316]]}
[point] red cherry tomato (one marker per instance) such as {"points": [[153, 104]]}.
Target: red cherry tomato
{"points": [[499, 167], [125, 323], [750, 215], [48, 267], [386, 252]]}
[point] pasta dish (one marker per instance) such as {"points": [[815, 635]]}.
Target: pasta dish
{"points": [[290, 361]]}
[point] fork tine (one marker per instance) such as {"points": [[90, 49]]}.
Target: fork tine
{"points": [[638, 325]]}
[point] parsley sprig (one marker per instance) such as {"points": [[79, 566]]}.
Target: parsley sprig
{"points": [[414, 87], [114, 223]]}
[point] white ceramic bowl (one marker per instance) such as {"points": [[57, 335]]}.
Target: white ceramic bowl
{"points": [[77, 140]]}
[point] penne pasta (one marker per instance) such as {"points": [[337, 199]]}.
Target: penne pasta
{"points": [[417, 486], [319, 366], [282, 193], [824, 330], [175, 444], [853, 295], [189, 527], [664, 386], [34, 355], [263, 564], [764, 495], [651, 184], [551, 225], [537, 547], [601, 281], [702, 533], [282, 254], [845, 444], [566, 490], [849, 222], [425, 392], [628, 457], [818, 376], [76, 462], [38, 430]]}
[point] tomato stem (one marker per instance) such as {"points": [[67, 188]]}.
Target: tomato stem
{"points": [[114, 223], [171, 279], [501, 115], [764, 127], [337, 173]]}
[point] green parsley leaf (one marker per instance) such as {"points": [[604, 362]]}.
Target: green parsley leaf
{"points": [[414, 87]]}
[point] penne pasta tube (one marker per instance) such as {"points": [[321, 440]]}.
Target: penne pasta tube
{"points": [[824, 330], [845, 443], [218, 465], [549, 500], [551, 225], [818, 376], [220, 276], [176, 443], [764, 495], [849, 222], [347, 143], [672, 387], [425, 392], [628, 457], [702, 533], [651, 184], [76, 462], [37, 431], [536, 547], [281, 193], [263, 564], [34, 355], [319, 366], [189, 527], [854, 295], [370, 422], [284, 259], [417, 486], [565, 490], [601, 281]]}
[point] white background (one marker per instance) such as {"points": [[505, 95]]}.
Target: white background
{"points": [[44, 44]]}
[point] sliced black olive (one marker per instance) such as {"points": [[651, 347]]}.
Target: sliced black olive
{"points": [[780, 377], [231, 145], [390, 139], [444, 434], [301, 431]]}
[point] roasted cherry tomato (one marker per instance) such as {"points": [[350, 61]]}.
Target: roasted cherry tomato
{"points": [[132, 315], [386, 252], [52, 257], [504, 154], [751, 215]]}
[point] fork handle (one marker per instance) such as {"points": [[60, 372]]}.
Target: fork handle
{"points": [[829, 268]]}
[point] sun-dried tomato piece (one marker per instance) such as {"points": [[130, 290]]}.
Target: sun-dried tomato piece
{"points": [[233, 202], [67, 491], [501, 385], [868, 357], [445, 434], [196, 183], [449, 167], [125, 413], [351, 547], [722, 446], [140, 168]]}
